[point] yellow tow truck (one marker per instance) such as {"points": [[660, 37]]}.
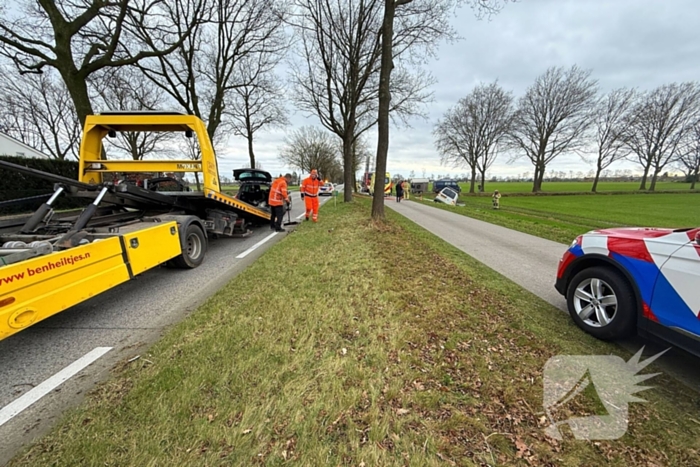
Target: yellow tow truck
{"points": [[51, 261]]}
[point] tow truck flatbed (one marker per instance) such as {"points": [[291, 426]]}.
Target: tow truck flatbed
{"points": [[50, 261]]}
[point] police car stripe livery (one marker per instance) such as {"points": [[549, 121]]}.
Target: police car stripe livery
{"points": [[664, 265]]}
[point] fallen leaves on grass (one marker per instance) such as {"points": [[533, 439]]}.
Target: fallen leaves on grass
{"points": [[522, 448]]}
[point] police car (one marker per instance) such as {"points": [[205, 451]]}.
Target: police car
{"points": [[626, 280], [326, 189]]}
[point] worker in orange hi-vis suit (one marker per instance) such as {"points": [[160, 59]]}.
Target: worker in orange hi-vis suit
{"points": [[278, 195], [309, 193]]}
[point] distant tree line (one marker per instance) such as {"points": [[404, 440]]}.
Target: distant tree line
{"points": [[563, 112]]}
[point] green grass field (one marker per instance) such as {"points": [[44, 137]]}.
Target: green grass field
{"points": [[564, 187], [353, 364], [562, 218]]}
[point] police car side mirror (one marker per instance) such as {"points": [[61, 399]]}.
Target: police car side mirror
{"points": [[697, 238]]}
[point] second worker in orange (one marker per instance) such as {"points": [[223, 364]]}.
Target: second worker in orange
{"points": [[310, 187]]}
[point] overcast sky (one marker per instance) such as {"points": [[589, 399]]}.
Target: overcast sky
{"points": [[633, 43]]}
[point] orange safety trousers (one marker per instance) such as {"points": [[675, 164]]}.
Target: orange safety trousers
{"points": [[311, 206]]}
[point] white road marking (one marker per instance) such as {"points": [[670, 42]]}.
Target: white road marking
{"points": [[301, 215], [15, 407], [256, 246]]}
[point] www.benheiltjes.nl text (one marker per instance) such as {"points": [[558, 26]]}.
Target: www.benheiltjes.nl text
{"points": [[49, 266]]}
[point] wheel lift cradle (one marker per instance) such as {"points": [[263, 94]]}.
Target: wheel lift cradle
{"points": [[51, 261]]}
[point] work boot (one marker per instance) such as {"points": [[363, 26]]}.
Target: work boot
{"points": [[280, 230]]}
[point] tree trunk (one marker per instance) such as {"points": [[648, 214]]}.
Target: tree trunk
{"points": [[78, 90], [599, 169], [348, 165], [251, 154], [249, 137], [542, 177], [694, 177], [536, 180], [652, 186], [537, 183], [196, 178], [473, 181], [383, 116], [483, 181], [643, 185]]}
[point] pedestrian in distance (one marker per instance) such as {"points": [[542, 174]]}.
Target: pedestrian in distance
{"points": [[496, 200], [310, 187], [278, 196], [399, 191]]}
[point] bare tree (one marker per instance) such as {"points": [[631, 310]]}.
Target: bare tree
{"points": [[258, 103], [609, 120], [38, 111], [13, 123], [422, 23], [659, 124], [205, 69], [337, 76], [126, 89], [81, 37], [553, 117], [456, 139], [689, 158], [473, 131], [312, 148]]}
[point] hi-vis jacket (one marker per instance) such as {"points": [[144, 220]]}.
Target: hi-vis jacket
{"points": [[278, 192], [310, 187]]}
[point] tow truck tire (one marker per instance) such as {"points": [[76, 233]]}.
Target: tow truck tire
{"points": [[194, 248]]}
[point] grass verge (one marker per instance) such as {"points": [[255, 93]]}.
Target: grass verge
{"points": [[351, 343], [561, 219]]}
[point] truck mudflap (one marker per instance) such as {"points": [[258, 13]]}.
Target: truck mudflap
{"points": [[35, 289]]}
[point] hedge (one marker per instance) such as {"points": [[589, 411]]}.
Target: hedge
{"points": [[15, 185]]}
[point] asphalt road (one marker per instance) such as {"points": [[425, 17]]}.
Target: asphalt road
{"points": [[126, 318], [530, 262]]}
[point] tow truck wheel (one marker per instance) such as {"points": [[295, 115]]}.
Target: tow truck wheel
{"points": [[194, 248]]}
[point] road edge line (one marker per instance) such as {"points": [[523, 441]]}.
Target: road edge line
{"points": [[29, 398], [256, 246]]}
